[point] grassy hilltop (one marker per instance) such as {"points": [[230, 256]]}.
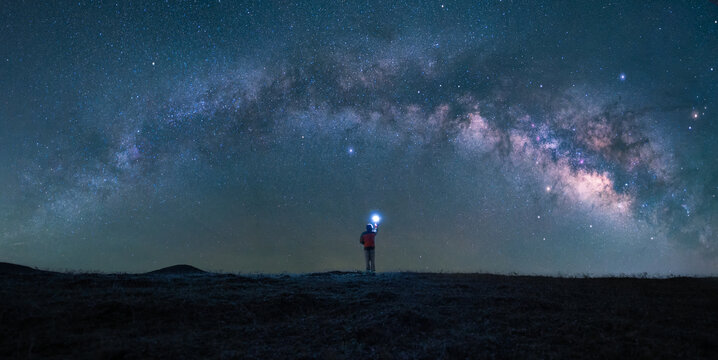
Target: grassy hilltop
{"points": [[182, 312]]}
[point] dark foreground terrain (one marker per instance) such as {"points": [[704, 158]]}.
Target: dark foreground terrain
{"points": [[184, 313]]}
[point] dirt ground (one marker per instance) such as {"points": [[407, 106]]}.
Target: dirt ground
{"points": [[352, 315]]}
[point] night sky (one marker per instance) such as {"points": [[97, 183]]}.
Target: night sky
{"points": [[547, 137]]}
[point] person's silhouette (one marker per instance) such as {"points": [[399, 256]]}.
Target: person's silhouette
{"points": [[367, 239]]}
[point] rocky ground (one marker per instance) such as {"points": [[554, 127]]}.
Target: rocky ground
{"points": [[185, 313]]}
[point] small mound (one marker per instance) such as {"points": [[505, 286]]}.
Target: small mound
{"points": [[178, 270], [8, 268]]}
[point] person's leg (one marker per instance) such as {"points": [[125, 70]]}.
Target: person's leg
{"points": [[372, 260], [367, 259]]}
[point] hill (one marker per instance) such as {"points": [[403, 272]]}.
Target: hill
{"points": [[8, 268], [352, 315], [178, 270]]}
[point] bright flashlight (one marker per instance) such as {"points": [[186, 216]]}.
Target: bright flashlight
{"points": [[375, 218]]}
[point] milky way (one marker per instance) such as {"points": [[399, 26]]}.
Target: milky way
{"points": [[492, 136]]}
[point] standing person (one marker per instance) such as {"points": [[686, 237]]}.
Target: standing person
{"points": [[367, 239]]}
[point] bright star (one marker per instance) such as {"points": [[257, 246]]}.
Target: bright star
{"points": [[622, 77]]}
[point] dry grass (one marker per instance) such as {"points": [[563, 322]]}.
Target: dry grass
{"points": [[350, 315]]}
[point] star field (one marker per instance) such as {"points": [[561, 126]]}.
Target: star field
{"points": [[497, 136]]}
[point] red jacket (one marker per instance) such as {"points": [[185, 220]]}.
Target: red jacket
{"points": [[367, 238]]}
